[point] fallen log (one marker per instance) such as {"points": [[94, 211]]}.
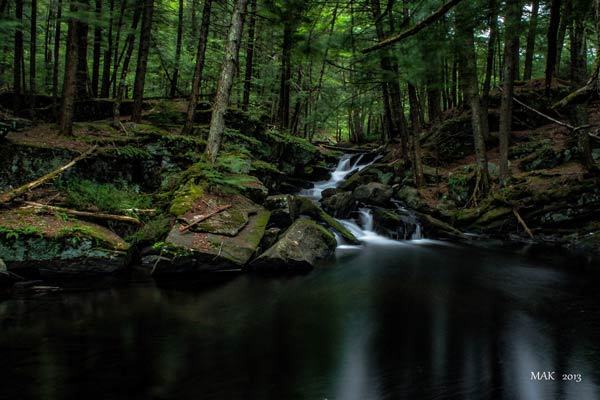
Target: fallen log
{"points": [[86, 214], [204, 217], [522, 222], [7, 197]]}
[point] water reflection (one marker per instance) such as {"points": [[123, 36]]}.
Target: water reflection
{"points": [[419, 321]]}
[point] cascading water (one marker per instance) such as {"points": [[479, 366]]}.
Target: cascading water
{"points": [[347, 164], [362, 228]]}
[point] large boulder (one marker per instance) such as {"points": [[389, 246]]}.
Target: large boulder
{"points": [[52, 245], [373, 193], [303, 245], [224, 241], [306, 207], [339, 205]]}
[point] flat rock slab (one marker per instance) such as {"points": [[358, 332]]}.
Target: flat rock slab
{"points": [[56, 246]]}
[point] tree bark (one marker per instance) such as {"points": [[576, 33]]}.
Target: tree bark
{"points": [[56, 65], [529, 52], [142, 61], [249, 57], [32, 56], [97, 49], [200, 60], [217, 122], [552, 39], [470, 86], [173, 90], [129, 44], [511, 43], [70, 79], [83, 77], [489, 68], [416, 135], [18, 57], [286, 75], [107, 58]]}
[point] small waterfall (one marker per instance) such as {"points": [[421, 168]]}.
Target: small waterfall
{"points": [[364, 232], [347, 165]]}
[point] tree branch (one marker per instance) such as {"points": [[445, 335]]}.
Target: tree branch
{"points": [[415, 29]]}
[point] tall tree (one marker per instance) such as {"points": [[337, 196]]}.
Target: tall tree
{"points": [[128, 48], [529, 52], [511, 50], [56, 56], [97, 48], [142, 61], [83, 77], [217, 121], [32, 55], [173, 90], [200, 60], [249, 57], [70, 79], [107, 57], [468, 72], [18, 56], [552, 43]]}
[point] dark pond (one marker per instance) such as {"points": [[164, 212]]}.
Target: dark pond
{"points": [[419, 320]]}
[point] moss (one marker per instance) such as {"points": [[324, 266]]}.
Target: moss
{"points": [[185, 197], [261, 167], [154, 230], [493, 215]]}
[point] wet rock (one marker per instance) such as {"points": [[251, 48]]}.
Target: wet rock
{"points": [[228, 222], [373, 193], [269, 238], [307, 208], [394, 224], [411, 197], [301, 246], [282, 210], [340, 205], [328, 193], [55, 246]]}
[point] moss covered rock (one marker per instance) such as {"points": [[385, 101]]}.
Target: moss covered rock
{"points": [[55, 246], [300, 247]]}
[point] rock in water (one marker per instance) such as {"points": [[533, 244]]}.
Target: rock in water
{"points": [[373, 193], [300, 248], [339, 205]]}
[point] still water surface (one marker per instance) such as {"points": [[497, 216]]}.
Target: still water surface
{"points": [[418, 320]]}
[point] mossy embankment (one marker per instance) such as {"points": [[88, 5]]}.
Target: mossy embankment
{"points": [[152, 174]]}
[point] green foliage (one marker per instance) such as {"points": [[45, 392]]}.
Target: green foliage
{"points": [[86, 194], [132, 153], [14, 233], [153, 230]]}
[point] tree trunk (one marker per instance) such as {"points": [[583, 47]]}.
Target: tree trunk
{"points": [[173, 90], [32, 55], [70, 79], [416, 135], [217, 121], [116, 57], [249, 57], [107, 59], [56, 65], [286, 75], [200, 59], [129, 44], [511, 48], [489, 68], [470, 86], [83, 77], [535, 5], [578, 47], [552, 40], [18, 57], [142, 61], [97, 49], [565, 21]]}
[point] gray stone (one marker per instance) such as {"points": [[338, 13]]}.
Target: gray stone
{"points": [[373, 193], [300, 248]]}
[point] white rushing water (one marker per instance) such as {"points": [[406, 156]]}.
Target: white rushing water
{"points": [[345, 167], [362, 227]]}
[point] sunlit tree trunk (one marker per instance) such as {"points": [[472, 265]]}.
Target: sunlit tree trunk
{"points": [[217, 121], [249, 57], [69, 82]]}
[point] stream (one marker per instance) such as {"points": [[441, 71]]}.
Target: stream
{"points": [[414, 319]]}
